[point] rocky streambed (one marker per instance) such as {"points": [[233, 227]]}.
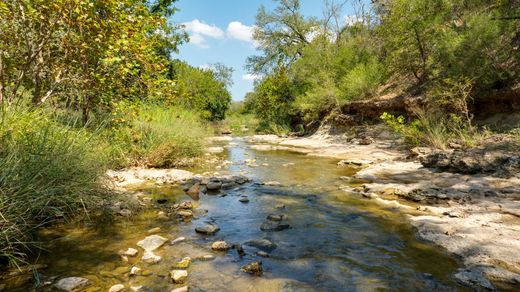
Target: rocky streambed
{"points": [[282, 214]]}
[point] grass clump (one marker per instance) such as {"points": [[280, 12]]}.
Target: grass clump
{"points": [[437, 131], [154, 136], [48, 171]]}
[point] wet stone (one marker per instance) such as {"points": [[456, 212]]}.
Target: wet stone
{"points": [[117, 288], [152, 242], [274, 226], [183, 264], [262, 254], [254, 268], [151, 258], [274, 217], [262, 244], [243, 199], [220, 246], [179, 276], [178, 240], [214, 185], [72, 284], [208, 229], [181, 289], [131, 252]]}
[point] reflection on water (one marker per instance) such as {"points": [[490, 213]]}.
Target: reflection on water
{"points": [[336, 242]]}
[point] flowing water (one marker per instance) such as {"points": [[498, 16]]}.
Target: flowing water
{"points": [[337, 241]]}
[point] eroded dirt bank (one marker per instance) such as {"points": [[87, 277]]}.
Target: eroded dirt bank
{"points": [[475, 217]]}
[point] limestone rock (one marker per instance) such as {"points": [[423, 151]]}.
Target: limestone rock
{"points": [[117, 288], [152, 242], [220, 246], [72, 284], [179, 276], [151, 258], [181, 289]]}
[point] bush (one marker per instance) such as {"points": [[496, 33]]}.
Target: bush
{"points": [[363, 80], [47, 171]]}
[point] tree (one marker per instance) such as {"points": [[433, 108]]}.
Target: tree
{"points": [[84, 53], [204, 90], [282, 35]]}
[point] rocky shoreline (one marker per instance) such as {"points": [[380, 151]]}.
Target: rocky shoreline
{"points": [[466, 202]]}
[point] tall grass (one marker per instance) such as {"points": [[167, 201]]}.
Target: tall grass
{"points": [[47, 171], [156, 137], [241, 124]]}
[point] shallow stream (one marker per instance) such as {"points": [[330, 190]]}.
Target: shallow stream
{"points": [[337, 241]]}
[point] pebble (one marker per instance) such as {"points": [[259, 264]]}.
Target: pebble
{"points": [[208, 229], [132, 252], [244, 199], [263, 254], [135, 271], [152, 242], [154, 230], [181, 289], [117, 288], [178, 240], [72, 283]]}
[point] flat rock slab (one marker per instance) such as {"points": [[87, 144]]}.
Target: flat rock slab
{"points": [[72, 284], [152, 242]]}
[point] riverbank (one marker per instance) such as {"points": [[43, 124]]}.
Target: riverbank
{"points": [[475, 217]]}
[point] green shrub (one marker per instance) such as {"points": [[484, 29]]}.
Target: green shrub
{"points": [[47, 171], [362, 81]]}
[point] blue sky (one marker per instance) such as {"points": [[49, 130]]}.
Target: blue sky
{"points": [[220, 31]]}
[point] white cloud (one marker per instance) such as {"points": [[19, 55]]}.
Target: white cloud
{"points": [[240, 31], [198, 30], [251, 77]]}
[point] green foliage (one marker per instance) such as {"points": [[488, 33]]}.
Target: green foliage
{"points": [[448, 50], [47, 171], [272, 101], [204, 90], [85, 54]]}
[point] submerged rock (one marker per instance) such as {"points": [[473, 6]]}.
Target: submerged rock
{"points": [[274, 217], [178, 240], [254, 268], [262, 244], [152, 242], [131, 252], [154, 230], [273, 183], [208, 229], [220, 246], [274, 226], [117, 288], [150, 258], [181, 289], [72, 284], [214, 185], [243, 199], [141, 289], [183, 264], [179, 276], [135, 271]]}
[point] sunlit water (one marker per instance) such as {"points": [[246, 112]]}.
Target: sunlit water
{"points": [[337, 241]]}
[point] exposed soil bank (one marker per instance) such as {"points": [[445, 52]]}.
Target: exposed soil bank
{"points": [[475, 217]]}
